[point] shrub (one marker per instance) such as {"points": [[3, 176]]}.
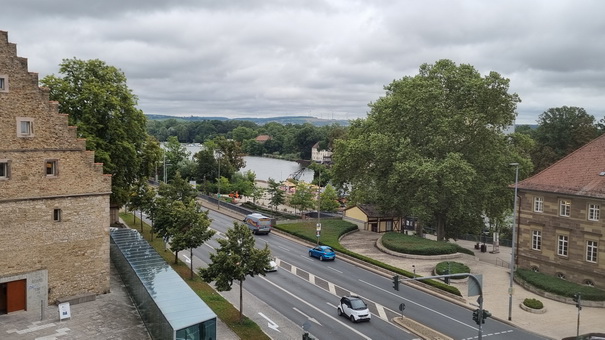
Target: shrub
{"points": [[411, 244], [533, 303], [558, 286], [454, 268]]}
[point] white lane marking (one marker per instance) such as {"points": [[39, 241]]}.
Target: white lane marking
{"points": [[334, 269], [312, 278], [419, 305], [317, 309], [187, 259], [284, 248], [308, 317], [331, 288], [270, 324]]}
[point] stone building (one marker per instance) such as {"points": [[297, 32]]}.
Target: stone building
{"points": [[54, 200], [320, 156], [561, 230]]}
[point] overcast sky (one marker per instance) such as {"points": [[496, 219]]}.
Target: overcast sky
{"points": [[323, 58]]}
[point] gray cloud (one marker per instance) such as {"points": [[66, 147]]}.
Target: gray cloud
{"points": [[326, 58]]}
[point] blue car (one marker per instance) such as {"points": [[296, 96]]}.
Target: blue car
{"points": [[323, 253]]}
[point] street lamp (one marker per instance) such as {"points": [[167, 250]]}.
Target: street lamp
{"points": [[512, 249], [165, 168], [218, 195]]}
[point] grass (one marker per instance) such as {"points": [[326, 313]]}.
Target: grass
{"points": [[332, 230], [246, 329], [453, 267], [410, 244], [559, 286]]}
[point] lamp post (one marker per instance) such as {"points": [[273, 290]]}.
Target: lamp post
{"points": [[218, 201], [512, 249], [165, 168], [318, 206]]}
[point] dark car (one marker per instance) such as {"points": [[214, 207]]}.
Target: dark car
{"points": [[322, 253]]}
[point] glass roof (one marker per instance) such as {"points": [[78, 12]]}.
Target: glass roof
{"points": [[179, 304]]}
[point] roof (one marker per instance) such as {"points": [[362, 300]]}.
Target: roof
{"points": [[373, 211], [581, 173], [263, 138], [180, 305]]}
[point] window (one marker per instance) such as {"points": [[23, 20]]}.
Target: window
{"points": [[51, 168], [593, 212], [563, 245], [564, 207], [591, 251], [57, 215], [538, 204], [25, 127], [4, 169], [536, 240], [3, 83]]}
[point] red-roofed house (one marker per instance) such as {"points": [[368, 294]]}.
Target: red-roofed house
{"points": [[262, 138], [561, 230]]}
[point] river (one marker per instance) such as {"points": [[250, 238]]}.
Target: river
{"points": [[266, 168]]}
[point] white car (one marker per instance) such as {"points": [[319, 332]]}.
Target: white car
{"points": [[272, 266], [354, 308]]}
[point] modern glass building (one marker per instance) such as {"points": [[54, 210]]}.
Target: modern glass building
{"points": [[169, 308]]}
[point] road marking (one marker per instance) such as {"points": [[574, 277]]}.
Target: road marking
{"points": [[312, 278], [419, 305], [271, 324], [187, 259], [317, 309], [308, 317], [334, 269], [331, 288]]}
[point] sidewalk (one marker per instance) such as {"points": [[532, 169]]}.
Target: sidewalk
{"points": [[559, 321]]}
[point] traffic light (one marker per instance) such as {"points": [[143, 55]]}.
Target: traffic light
{"points": [[396, 282], [486, 315], [476, 316], [577, 298]]}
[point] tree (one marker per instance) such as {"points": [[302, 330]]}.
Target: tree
{"points": [[276, 193], [561, 131], [176, 156], [177, 189], [236, 258], [190, 229], [141, 197], [329, 199], [100, 104], [304, 197], [433, 147]]}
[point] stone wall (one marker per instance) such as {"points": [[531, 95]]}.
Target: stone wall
{"points": [[57, 223]]}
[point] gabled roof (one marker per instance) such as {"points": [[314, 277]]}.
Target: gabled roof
{"points": [[581, 173], [371, 210]]}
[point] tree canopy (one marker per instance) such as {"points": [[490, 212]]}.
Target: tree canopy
{"points": [[433, 147], [236, 258], [99, 102]]}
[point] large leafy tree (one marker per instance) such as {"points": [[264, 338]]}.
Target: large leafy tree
{"points": [[276, 194], [433, 147], [236, 258], [560, 131], [99, 102]]}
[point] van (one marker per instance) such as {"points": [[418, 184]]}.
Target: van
{"points": [[258, 223]]}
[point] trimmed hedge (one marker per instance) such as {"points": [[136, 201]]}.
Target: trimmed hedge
{"points": [[533, 303], [454, 268], [558, 286], [412, 244]]}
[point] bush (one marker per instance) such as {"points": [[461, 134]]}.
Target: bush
{"points": [[454, 268], [411, 244], [533, 303], [558, 286]]}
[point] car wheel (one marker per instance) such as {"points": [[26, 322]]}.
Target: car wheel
{"points": [[310, 254], [339, 311], [321, 258], [352, 318]]}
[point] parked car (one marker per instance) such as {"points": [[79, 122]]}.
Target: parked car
{"points": [[322, 253], [354, 308]]}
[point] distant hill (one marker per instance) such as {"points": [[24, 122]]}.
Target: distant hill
{"points": [[260, 121]]}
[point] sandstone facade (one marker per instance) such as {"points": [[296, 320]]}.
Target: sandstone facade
{"points": [[54, 200]]}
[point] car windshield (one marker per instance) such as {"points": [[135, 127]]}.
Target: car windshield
{"points": [[358, 304]]}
